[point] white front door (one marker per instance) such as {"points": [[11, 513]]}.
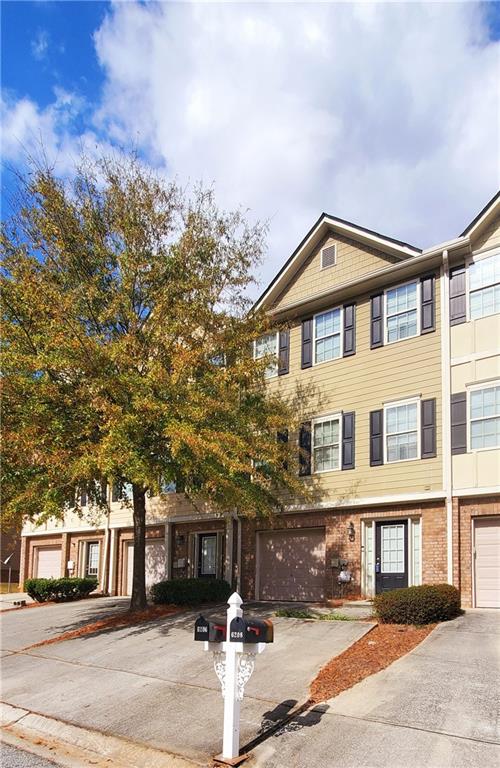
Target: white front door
{"points": [[155, 562]]}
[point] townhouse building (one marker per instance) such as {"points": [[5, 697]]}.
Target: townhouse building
{"points": [[393, 355]]}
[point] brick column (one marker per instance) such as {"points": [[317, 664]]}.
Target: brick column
{"points": [[23, 565]]}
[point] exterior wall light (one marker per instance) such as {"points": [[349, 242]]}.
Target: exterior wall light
{"points": [[351, 532]]}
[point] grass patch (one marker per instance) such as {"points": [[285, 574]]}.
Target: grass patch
{"points": [[297, 613]]}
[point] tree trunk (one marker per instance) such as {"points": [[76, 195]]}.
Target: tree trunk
{"points": [[138, 600]]}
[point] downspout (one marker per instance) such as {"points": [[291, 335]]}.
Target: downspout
{"points": [[238, 557], [446, 405], [105, 579]]}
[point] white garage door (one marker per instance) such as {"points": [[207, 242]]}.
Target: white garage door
{"points": [[155, 564], [48, 562], [291, 565], [487, 546]]}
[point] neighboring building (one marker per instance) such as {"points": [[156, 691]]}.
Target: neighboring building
{"points": [[10, 551], [393, 354]]}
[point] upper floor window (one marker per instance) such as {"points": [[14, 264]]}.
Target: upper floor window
{"points": [[267, 345], [401, 305], [484, 287], [485, 417], [401, 431], [326, 440], [327, 335]]}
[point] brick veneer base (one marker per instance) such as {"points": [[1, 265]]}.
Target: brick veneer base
{"points": [[335, 523], [465, 510]]}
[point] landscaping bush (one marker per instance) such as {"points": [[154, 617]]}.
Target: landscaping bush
{"points": [[191, 591], [59, 590], [418, 605]]}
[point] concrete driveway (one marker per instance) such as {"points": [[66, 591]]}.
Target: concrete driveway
{"points": [[437, 707], [152, 683]]}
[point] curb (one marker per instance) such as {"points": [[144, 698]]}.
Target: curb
{"points": [[76, 747]]}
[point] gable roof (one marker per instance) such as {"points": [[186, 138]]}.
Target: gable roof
{"points": [[324, 224], [488, 212]]}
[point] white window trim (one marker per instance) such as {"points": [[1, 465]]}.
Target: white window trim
{"points": [[324, 312], [321, 420], [88, 544], [277, 334], [468, 262], [410, 401], [418, 309], [474, 388], [329, 266]]}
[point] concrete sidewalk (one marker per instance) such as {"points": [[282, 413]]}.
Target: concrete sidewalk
{"points": [[437, 707]]}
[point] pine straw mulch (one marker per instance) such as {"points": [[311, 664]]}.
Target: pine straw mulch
{"points": [[125, 619], [374, 651]]}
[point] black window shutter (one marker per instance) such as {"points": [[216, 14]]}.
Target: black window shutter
{"points": [[305, 449], [459, 423], [284, 352], [307, 329], [349, 329], [428, 304], [428, 428], [458, 309], [376, 438], [283, 438], [115, 492], [377, 321], [83, 498], [348, 440]]}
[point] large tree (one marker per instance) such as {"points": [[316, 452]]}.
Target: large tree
{"points": [[127, 350]]}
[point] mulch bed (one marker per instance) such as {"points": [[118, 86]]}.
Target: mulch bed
{"points": [[373, 652], [126, 619]]}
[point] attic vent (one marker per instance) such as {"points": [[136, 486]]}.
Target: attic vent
{"points": [[328, 256]]}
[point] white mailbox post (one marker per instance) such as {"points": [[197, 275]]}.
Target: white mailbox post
{"points": [[234, 661]]}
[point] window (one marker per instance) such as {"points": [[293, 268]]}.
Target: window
{"points": [[401, 305], [267, 345], [326, 444], [402, 431], [328, 256], [92, 559], [484, 287], [327, 335], [207, 555], [485, 417]]}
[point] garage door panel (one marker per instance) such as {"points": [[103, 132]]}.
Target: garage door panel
{"points": [[487, 562], [48, 562], [292, 565]]}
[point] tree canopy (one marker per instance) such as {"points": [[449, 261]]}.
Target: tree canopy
{"points": [[127, 349]]}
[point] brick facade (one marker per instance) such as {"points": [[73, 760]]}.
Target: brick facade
{"points": [[465, 510], [182, 541], [338, 544]]}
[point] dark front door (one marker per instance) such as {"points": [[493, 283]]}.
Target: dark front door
{"points": [[391, 555]]}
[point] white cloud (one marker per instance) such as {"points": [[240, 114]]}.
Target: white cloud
{"points": [[386, 115], [40, 45]]}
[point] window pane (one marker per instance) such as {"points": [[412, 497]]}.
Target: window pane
{"points": [[326, 458], [485, 433], [327, 323], [327, 349], [208, 555], [402, 447], [402, 326], [484, 272], [266, 345]]}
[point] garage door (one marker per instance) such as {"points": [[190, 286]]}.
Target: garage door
{"points": [[291, 565], [48, 562], [155, 564], [487, 545]]}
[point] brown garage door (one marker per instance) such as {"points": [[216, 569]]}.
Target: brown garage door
{"points": [[487, 545], [291, 565]]}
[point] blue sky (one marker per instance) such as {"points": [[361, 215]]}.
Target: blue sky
{"points": [[382, 114]]}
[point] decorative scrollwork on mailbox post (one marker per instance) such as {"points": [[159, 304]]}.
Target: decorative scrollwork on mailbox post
{"points": [[235, 644]]}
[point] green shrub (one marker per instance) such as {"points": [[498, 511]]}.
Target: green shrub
{"points": [[418, 605], [59, 590], [190, 591]]}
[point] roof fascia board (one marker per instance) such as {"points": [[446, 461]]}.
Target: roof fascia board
{"points": [[315, 234], [483, 215]]}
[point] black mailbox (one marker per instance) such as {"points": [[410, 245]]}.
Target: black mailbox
{"points": [[213, 630], [251, 630]]}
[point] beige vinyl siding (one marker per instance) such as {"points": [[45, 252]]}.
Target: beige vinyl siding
{"points": [[363, 383], [352, 261], [489, 238]]}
